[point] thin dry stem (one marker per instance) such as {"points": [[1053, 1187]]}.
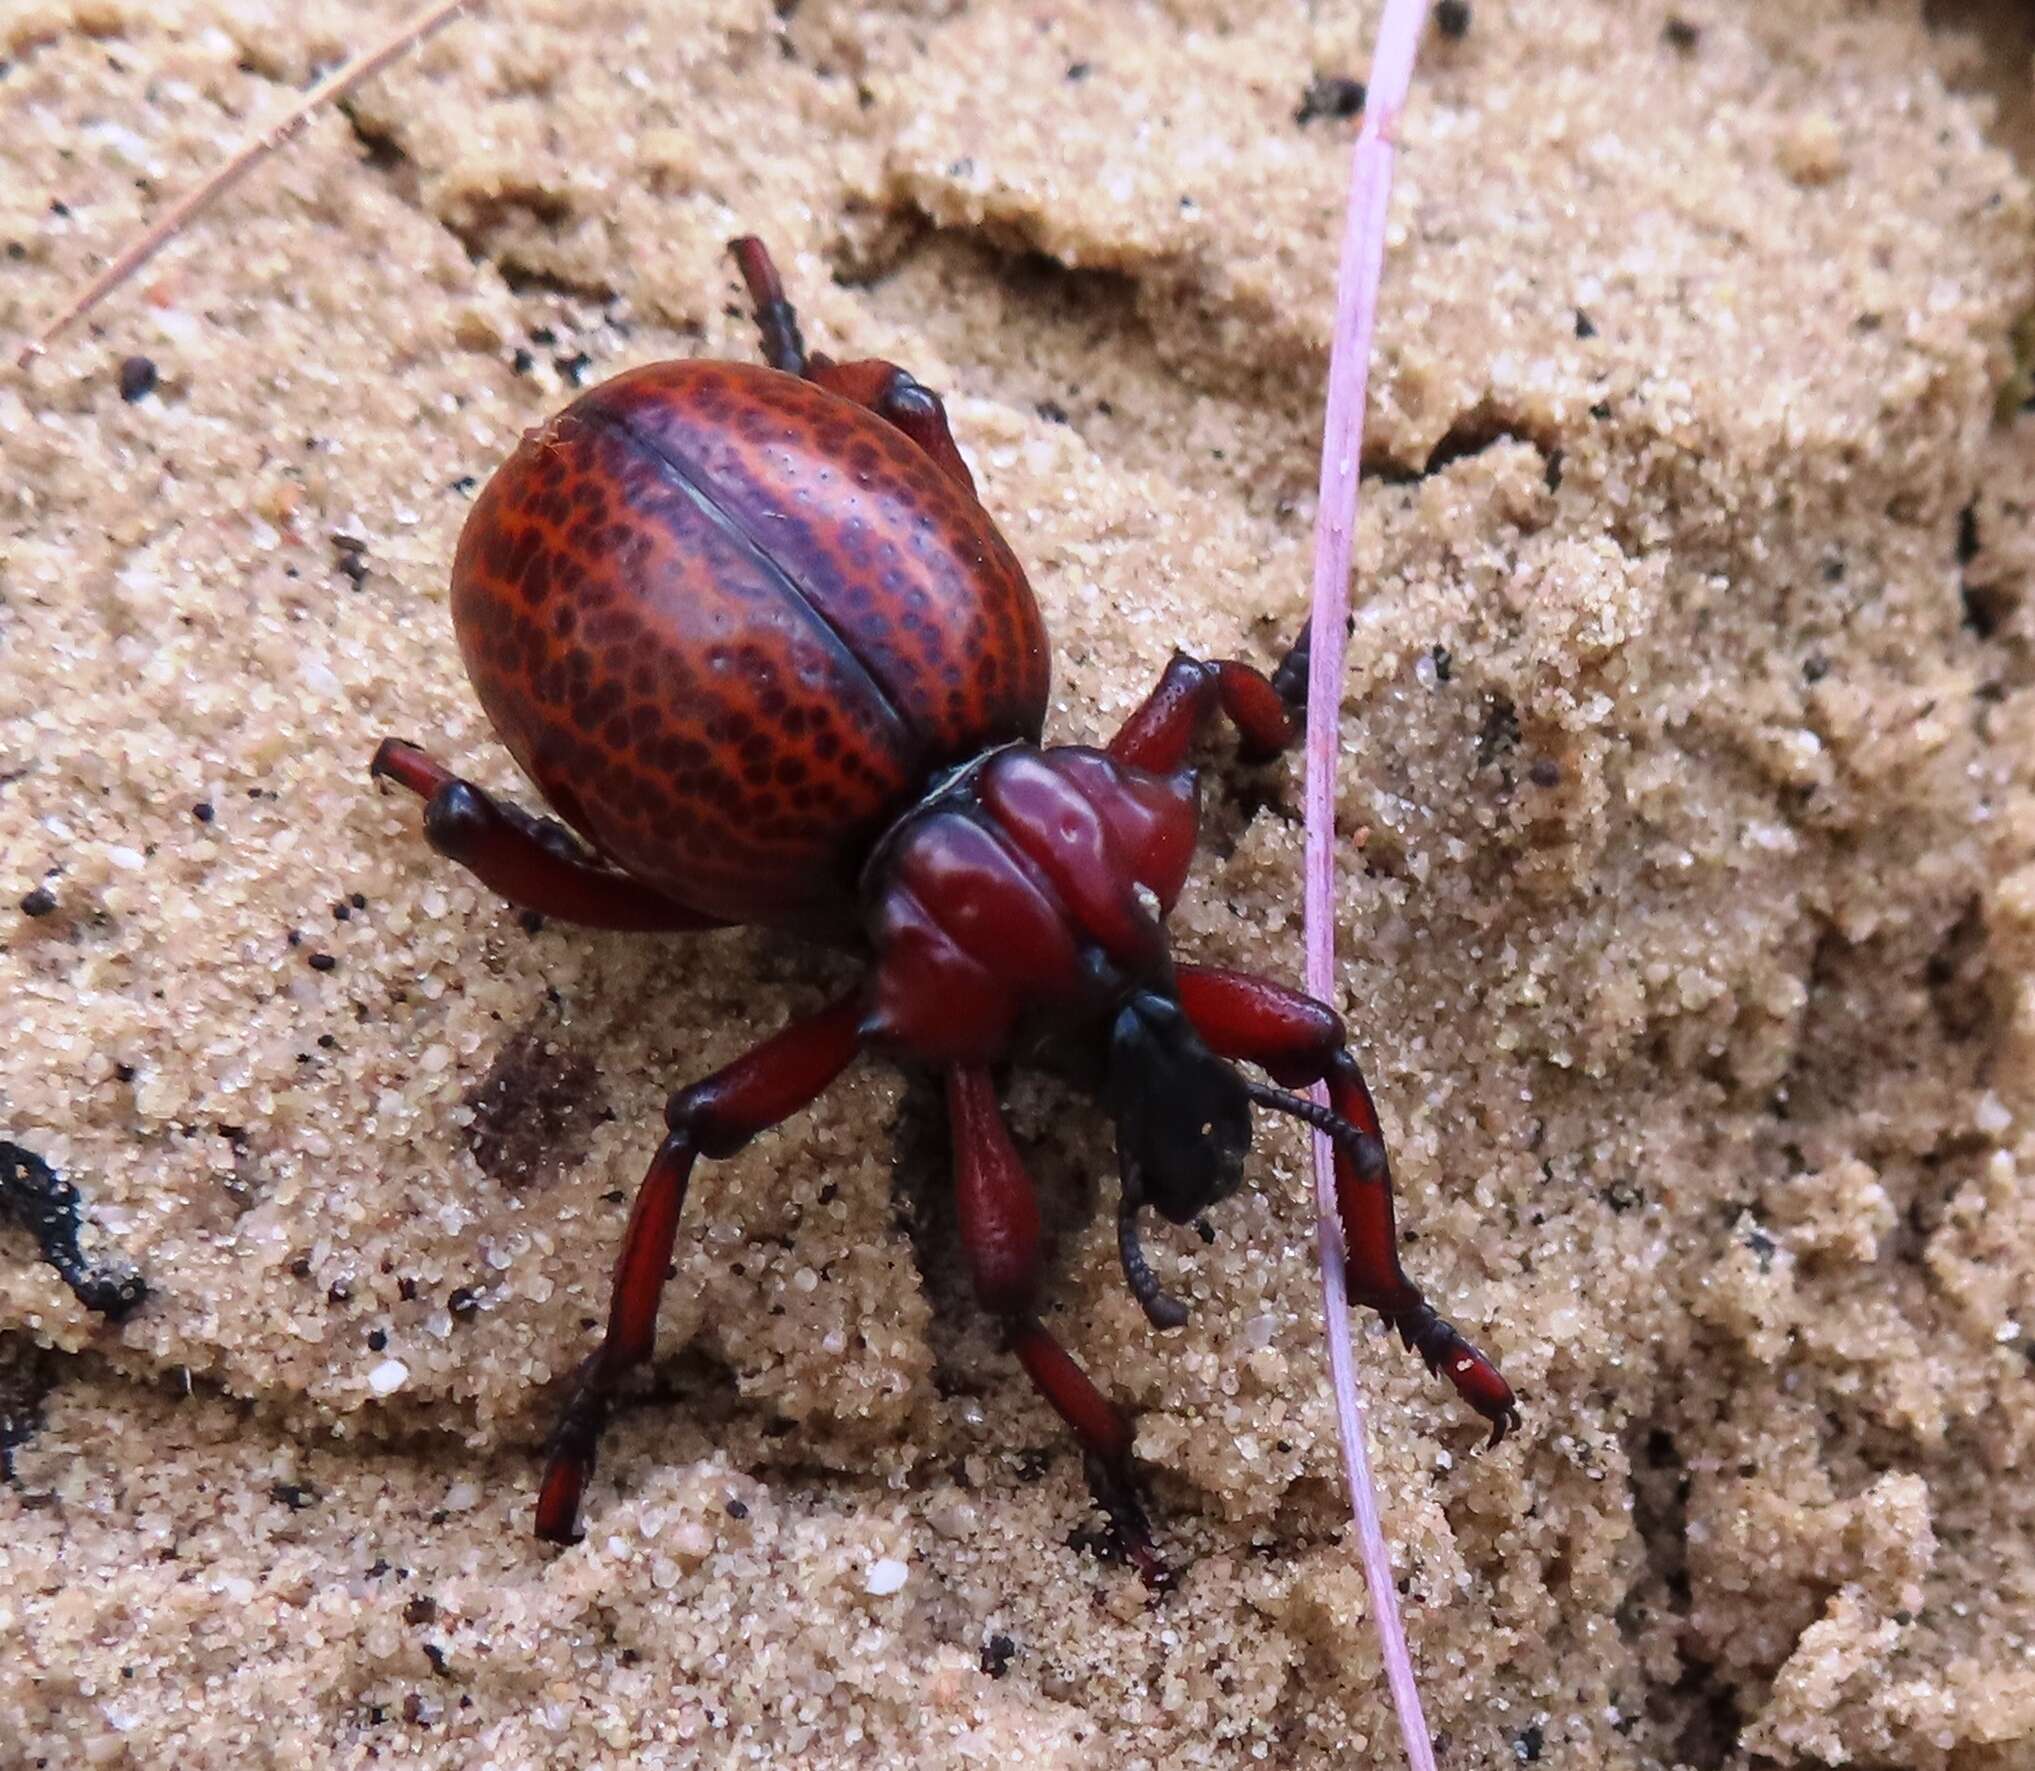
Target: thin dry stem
{"points": [[1363, 252], [250, 153]]}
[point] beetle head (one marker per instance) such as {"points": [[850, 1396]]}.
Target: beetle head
{"points": [[1183, 1117]]}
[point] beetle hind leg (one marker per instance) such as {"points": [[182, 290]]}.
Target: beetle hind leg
{"points": [[776, 319], [902, 401], [533, 862]]}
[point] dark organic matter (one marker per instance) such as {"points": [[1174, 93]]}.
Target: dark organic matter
{"points": [[36, 1197]]}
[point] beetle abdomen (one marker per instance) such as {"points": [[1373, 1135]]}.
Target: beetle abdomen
{"points": [[730, 624]]}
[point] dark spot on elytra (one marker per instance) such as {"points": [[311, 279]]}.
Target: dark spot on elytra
{"points": [[536, 581]]}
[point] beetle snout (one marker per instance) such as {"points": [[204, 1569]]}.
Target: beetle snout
{"points": [[1183, 1115]]}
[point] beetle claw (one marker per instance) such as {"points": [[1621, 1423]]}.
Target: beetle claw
{"points": [[1129, 1527]]}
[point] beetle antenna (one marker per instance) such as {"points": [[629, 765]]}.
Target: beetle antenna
{"points": [[1161, 1308], [252, 151], [1365, 1151]]}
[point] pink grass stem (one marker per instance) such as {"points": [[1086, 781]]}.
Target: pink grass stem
{"points": [[1363, 252]]}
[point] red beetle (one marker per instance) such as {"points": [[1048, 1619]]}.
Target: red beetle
{"points": [[752, 633]]}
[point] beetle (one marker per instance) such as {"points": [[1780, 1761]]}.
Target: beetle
{"points": [[753, 636]]}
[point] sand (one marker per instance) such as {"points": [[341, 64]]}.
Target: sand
{"points": [[1688, 915]]}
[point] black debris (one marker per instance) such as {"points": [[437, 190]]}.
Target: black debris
{"points": [[137, 378], [1330, 95], [36, 1197]]}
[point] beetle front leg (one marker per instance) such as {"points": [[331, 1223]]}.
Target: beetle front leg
{"points": [[712, 1118], [999, 1219], [1298, 1041], [901, 400], [532, 862], [1159, 735]]}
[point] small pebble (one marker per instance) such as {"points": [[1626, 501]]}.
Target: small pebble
{"points": [[885, 1577], [388, 1377], [137, 378]]}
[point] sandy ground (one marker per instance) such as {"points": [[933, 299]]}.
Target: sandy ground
{"points": [[1689, 914]]}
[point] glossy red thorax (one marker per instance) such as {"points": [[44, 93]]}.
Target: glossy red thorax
{"points": [[732, 623], [1031, 888]]}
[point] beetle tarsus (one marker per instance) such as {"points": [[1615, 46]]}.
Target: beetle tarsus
{"points": [[570, 1457], [1290, 678], [1449, 1354]]}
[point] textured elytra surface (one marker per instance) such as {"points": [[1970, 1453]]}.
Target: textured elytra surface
{"points": [[731, 624], [1708, 1069]]}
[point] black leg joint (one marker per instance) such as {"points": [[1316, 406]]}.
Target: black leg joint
{"points": [[907, 398], [456, 820], [690, 1115], [1290, 679], [783, 348]]}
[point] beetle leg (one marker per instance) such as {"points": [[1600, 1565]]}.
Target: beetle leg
{"points": [[888, 391], [714, 1118], [1162, 731], [899, 398], [1299, 1041], [776, 319], [533, 862], [999, 1216]]}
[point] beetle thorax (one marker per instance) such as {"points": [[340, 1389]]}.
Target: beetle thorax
{"points": [[1031, 888]]}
